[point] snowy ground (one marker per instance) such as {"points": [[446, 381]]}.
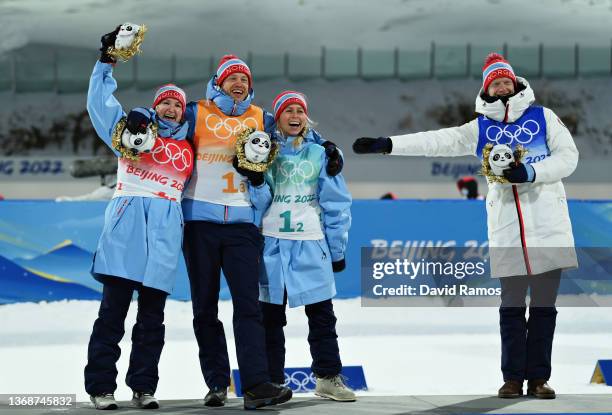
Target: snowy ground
{"points": [[403, 350]]}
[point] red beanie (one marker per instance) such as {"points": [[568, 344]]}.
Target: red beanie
{"points": [[495, 66], [230, 64], [286, 98], [170, 91]]}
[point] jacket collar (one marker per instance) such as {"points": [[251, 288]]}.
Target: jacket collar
{"points": [[287, 142], [515, 107], [224, 102]]}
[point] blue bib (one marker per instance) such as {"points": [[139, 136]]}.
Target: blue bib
{"points": [[529, 131]]}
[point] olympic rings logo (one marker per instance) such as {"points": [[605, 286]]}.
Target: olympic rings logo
{"points": [[296, 173], [522, 134], [165, 153], [300, 381], [224, 128]]}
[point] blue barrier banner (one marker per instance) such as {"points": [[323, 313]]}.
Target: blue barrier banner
{"points": [[303, 380], [35, 168], [46, 247]]}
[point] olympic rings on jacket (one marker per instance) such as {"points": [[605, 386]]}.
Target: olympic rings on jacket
{"points": [[296, 174], [164, 153], [224, 128], [522, 134]]}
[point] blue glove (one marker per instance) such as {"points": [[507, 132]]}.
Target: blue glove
{"points": [[520, 173], [367, 145]]}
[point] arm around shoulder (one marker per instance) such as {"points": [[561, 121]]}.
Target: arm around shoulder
{"points": [[191, 113]]}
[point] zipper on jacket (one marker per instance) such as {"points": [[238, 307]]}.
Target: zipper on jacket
{"points": [[226, 214], [517, 203], [324, 255], [506, 114]]}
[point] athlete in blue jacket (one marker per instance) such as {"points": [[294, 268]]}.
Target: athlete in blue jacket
{"points": [[220, 234], [305, 223], [140, 245]]}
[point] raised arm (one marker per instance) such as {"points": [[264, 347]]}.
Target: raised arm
{"points": [[103, 108]]}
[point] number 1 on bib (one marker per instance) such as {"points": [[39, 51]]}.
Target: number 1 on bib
{"points": [[286, 215], [230, 184]]}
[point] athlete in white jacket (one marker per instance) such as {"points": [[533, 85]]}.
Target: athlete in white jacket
{"points": [[529, 229]]}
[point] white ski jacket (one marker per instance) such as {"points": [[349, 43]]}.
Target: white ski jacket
{"points": [[529, 227]]}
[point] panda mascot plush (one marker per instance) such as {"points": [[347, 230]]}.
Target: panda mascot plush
{"points": [[255, 150], [257, 147], [129, 37], [497, 158]]}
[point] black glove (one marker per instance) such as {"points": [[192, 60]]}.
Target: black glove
{"points": [[334, 159], [137, 122], [254, 177], [108, 40], [519, 173], [380, 145], [338, 266]]}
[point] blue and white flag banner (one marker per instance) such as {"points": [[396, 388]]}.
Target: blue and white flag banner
{"points": [[46, 247]]}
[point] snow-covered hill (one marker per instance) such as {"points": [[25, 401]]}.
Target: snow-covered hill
{"points": [[343, 109], [196, 28]]}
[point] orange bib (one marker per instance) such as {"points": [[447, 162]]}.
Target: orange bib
{"points": [[214, 178]]}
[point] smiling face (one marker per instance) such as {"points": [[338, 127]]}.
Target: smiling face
{"points": [[169, 109], [236, 86], [292, 120], [501, 87]]}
